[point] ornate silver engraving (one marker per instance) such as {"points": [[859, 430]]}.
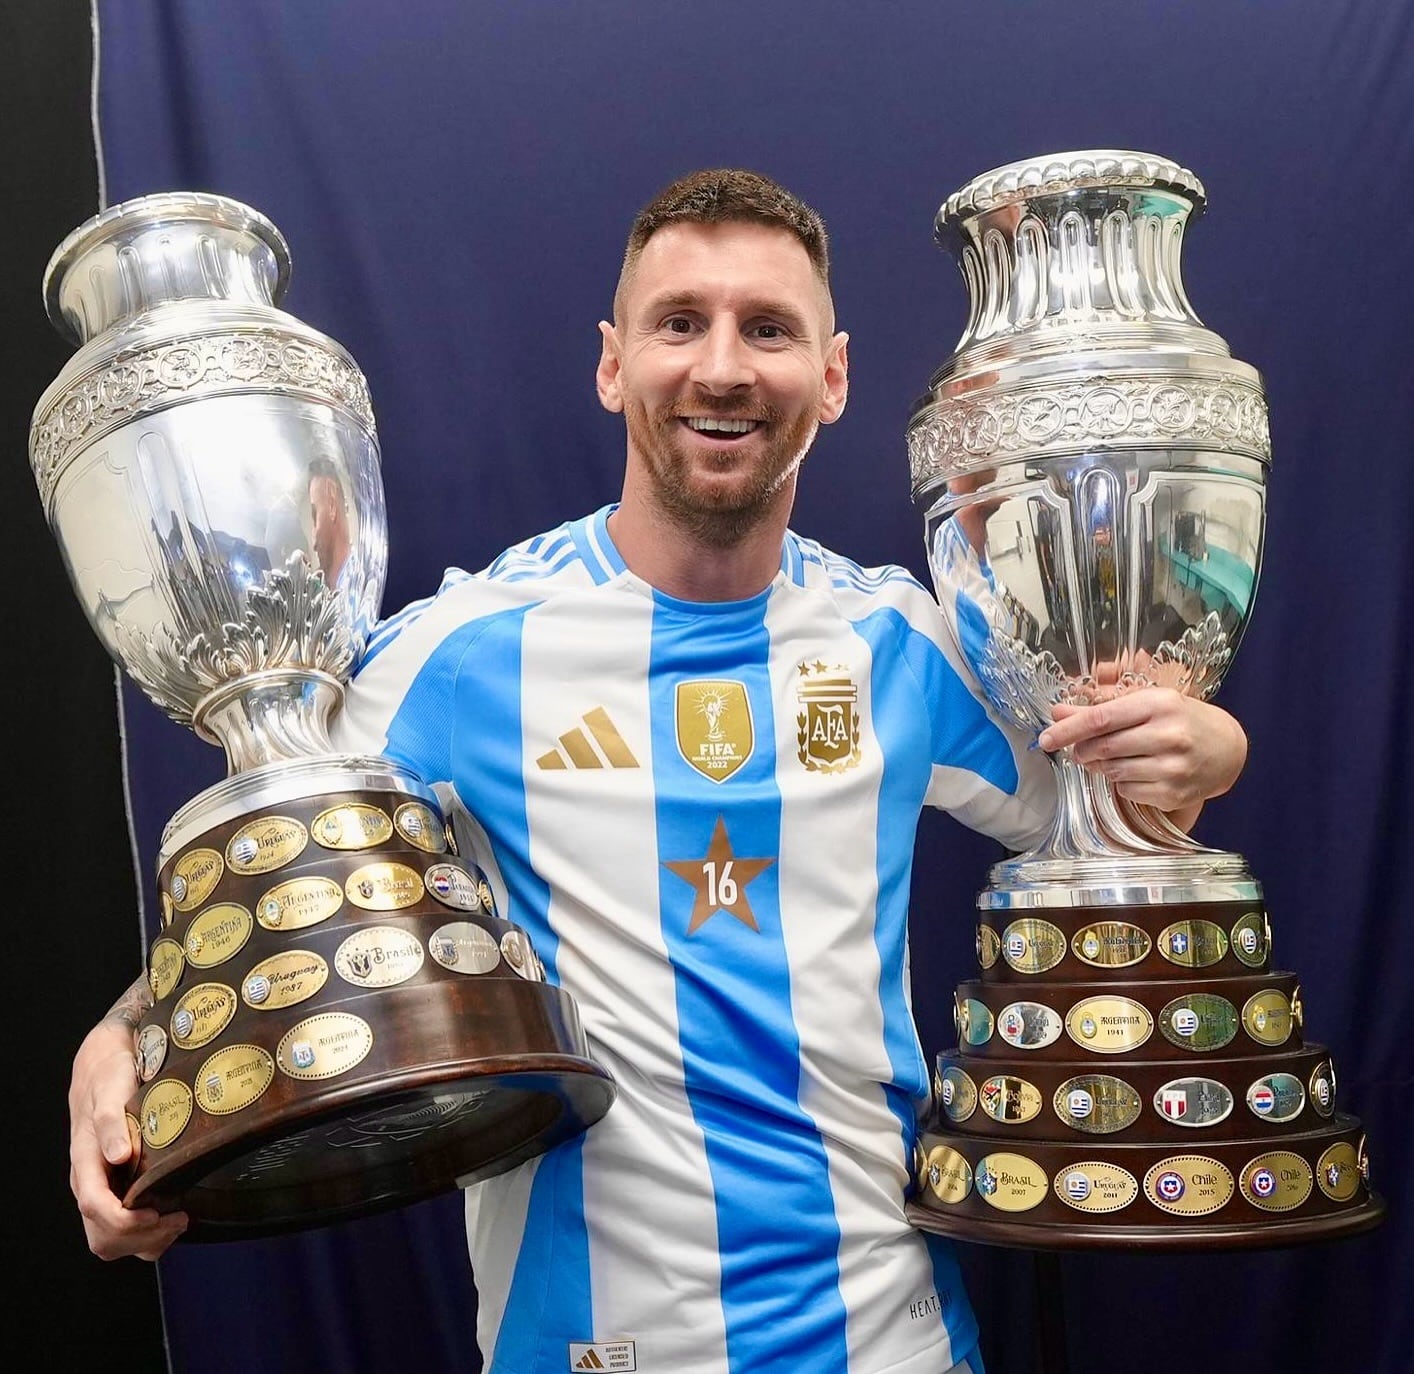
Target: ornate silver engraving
{"points": [[189, 370], [292, 620], [1194, 664], [957, 435], [1025, 683]]}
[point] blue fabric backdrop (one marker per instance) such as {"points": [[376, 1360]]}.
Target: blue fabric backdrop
{"points": [[455, 178]]}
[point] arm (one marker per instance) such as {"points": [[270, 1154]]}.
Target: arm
{"points": [[1156, 746], [103, 1080]]}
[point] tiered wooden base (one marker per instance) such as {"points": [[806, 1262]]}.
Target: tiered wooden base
{"points": [[342, 1024], [1136, 1076]]}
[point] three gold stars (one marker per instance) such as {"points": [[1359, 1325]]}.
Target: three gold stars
{"points": [[719, 880]]}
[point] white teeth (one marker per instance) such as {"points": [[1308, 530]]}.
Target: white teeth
{"points": [[708, 424]]}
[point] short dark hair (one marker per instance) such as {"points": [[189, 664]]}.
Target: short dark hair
{"points": [[728, 195]]}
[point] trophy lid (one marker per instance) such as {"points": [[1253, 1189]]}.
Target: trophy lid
{"points": [[1057, 173], [135, 224]]}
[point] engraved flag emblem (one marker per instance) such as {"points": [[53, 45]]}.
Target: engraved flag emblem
{"points": [[714, 726], [827, 727]]}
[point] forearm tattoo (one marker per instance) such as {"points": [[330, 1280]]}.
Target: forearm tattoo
{"points": [[129, 1008]]}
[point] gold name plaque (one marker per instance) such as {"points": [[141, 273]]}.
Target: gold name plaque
{"points": [[1011, 1182], [201, 1014], [267, 844], [165, 967], [194, 878], [1094, 1186], [1109, 1025], [217, 933], [324, 1045], [298, 903], [352, 826], [284, 979], [1189, 1185], [420, 827], [166, 1109], [947, 1174], [233, 1078], [385, 887], [1277, 1181]]}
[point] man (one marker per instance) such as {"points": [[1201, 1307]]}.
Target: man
{"points": [[626, 707], [328, 520]]}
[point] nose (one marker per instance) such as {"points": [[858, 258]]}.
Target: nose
{"points": [[723, 361]]}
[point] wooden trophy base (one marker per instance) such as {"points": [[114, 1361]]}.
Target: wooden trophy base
{"points": [[342, 1023], [1136, 1077]]}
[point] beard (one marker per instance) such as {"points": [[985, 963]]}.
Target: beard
{"points": [[720, 515]]}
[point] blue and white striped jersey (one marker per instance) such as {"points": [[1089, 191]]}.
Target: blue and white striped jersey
{"points": [[704, 816]]}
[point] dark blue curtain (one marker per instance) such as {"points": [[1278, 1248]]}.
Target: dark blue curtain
{"points": [[456, 179]]}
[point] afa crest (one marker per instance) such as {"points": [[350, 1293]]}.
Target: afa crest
{"points": [[827, 728]]}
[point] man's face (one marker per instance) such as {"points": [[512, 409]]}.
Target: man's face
{"points": [[325, 518], [723, 360]]}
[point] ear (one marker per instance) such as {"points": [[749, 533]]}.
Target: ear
{"points": [[606, 376], [836, 379]]}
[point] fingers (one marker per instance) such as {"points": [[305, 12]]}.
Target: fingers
{"points": [[101, 1146], [110, 1125], [1074, 724], [111, 1229], [1156, 746]]}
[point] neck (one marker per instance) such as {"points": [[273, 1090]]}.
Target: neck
{"points": [[682, 564]]}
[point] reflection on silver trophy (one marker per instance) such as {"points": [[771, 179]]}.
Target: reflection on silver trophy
{"points": [[1092, 463], [210, 468]]}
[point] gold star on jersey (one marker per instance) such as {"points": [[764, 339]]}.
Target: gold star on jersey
{"points": [[719, 880]]}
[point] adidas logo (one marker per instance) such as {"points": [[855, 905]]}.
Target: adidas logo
{"points": [[577, 750], [605, 1355]]}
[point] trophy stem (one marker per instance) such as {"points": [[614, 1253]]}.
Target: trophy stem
{"points": [[274, 716], [1093, 822], [1153, 823], [1077, 830], [1101, 845]]}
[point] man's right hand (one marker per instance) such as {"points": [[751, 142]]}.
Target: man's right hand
{"points": [[104, 1078]]}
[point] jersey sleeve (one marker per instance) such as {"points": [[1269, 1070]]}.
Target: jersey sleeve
{"points": [[986, 772], [400, 703]]}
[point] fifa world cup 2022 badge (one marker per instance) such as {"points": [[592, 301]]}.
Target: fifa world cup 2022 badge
{"points": [[714, 729], [827, 725]]}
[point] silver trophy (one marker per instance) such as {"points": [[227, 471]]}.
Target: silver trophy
{"points": [[342, 1021], [1092, 465]]}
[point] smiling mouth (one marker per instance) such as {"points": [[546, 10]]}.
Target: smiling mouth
{"points": [[720, 427]]}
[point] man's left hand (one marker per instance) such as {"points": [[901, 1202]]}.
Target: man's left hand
{"points": [[1156, 746]]}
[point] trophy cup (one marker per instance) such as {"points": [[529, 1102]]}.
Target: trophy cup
{"points": [[342, 1022], [1092, 462]]}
